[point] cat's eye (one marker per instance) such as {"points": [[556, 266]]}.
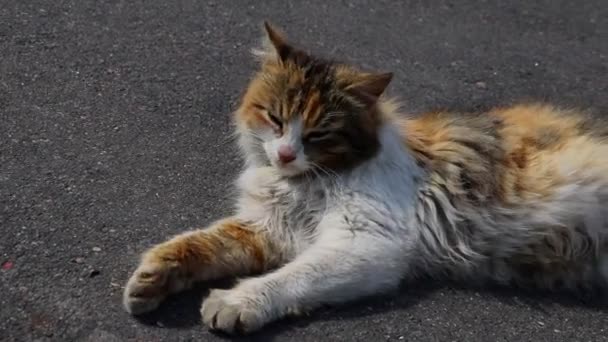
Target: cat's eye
{"points": [[275, 120], [316, 136]]}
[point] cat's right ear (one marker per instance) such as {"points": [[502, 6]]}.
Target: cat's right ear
{"points": [[274, 45]]}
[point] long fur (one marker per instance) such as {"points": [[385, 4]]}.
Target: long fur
{"points": [[517, 195]]}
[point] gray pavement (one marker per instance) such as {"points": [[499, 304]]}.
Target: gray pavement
{"points": [[115, 134]]}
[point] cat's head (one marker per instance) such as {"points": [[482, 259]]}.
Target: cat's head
{"points": [[301, 112]]}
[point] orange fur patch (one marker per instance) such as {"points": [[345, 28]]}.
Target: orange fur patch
{"points": [[217, 250], [248, 240], [507, 155]]}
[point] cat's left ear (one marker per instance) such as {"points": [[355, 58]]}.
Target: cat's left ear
{"points": [[368, 87], [276, 48], [278, 40], [274, 45]]}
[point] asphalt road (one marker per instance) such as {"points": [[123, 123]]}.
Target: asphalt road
{"points": [[115, 134]]}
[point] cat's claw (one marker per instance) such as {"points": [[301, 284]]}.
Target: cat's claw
{"points": [[146, 289], [232, 312]]}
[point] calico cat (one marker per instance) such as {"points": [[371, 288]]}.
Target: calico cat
{"points": [[343, 197]]}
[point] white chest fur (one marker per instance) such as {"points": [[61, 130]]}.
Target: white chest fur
{"points": [[376, 197]]}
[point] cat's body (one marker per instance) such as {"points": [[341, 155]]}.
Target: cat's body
{"points": [[522, 193], [343, 197], [526, 206]]}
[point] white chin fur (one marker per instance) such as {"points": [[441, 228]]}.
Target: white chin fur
{"points": [[291, 169]]}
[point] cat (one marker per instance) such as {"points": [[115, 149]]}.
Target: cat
{"points": [[343, 197]]}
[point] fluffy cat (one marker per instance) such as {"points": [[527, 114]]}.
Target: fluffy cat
{"points": [[343, 197]]}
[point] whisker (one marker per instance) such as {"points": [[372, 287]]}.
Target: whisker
{"points": [[255, 135], [331, 176]]}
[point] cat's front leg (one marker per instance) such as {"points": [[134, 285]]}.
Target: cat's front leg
{"points": [[230, 247], [342, 265]]}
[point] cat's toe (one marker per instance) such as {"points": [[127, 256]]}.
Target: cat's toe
{"points": [[231, 312], [146, 289], [139, 305]]}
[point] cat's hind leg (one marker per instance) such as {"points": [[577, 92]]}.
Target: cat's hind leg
{"points": [[227, 248]]}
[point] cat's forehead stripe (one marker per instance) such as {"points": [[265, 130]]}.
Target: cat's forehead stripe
{"points": [[312, 109]]}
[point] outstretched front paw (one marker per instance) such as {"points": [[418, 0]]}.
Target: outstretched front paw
{"points": [[149, 285], [234, 311]]}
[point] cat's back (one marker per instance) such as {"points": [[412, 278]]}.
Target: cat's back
{"points": [[541, 128], [548, 150], [511, 154]]}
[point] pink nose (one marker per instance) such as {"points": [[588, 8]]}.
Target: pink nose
{"points": [[286, 154]]}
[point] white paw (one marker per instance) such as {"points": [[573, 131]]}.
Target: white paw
{"points": [[234, 311]]}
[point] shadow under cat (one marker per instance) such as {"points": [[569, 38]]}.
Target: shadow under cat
{"points": [[181, 311]]}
